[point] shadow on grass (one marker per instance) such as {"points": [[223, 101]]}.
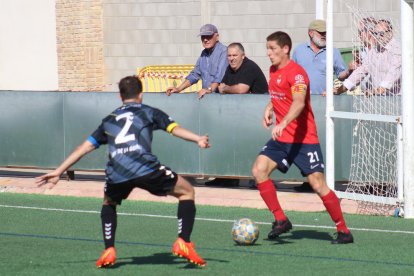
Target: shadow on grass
{"points": [[247, 245], [302, 234], [157, 259]]}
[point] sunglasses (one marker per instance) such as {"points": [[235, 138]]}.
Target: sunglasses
{"points": [[321, 33], [207, 37]]}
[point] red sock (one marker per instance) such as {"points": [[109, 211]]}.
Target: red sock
{"points": [[268, 193], [333, 207]]}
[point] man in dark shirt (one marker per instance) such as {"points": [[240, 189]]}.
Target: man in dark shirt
{"points": [[242, 75], [128, 133]]}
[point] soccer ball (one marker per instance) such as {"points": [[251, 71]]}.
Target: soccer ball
{"points": [[245, 231]]}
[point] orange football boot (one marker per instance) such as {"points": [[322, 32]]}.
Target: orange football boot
{"points": [[107, 258], [186, 250]]}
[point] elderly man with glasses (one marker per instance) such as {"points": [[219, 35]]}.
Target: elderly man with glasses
{"points": [[312, 57], [382, 64]]}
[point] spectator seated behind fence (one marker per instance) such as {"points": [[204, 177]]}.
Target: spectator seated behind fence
{"points": [[242, 75], [312, 57], [210, 65], [382, 63]]}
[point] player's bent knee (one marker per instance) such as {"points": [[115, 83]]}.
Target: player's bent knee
{"points": [[318, 183], [108, 201], [183, 189], [259, 172]]}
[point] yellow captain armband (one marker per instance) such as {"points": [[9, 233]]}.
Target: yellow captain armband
{"points": [[171, 126], [299, 89]]}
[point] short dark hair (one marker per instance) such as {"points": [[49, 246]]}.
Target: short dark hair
{"points": [[237, 45], [282, 39], [130, 87]]}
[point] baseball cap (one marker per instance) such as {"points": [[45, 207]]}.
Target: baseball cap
{"points": [[318, 25], [208, 29]]}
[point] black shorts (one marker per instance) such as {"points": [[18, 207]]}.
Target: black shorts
{"points": [[160, 182], [307, 157]]}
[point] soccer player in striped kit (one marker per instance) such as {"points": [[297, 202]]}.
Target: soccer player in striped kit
{"points": [[128, 133]]}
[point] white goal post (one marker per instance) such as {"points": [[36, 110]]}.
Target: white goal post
{"points": [[403, 122]]}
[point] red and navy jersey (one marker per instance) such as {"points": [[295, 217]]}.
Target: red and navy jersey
{"points": [[283, 84], [128, 133]]}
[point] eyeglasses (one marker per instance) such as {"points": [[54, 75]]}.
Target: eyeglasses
{"points": [[381, 33]]}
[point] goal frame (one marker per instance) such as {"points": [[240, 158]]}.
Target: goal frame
{"points": [[405, 122]]}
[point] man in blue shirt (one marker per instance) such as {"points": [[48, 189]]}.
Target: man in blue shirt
{"points": [[210, 66], [312, 57]]}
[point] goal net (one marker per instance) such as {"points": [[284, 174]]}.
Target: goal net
{"points": [[376, 162]]}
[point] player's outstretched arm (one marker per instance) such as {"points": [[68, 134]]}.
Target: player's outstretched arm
{"points": [[188, 135], [75, 156]]}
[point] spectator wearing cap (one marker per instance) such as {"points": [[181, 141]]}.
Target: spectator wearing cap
{"points": [[312, 57], [210, 66]]}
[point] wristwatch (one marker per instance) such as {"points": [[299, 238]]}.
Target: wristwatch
{"points": [[209, 90]]}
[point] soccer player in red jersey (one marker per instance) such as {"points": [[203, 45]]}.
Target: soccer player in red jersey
{"points": [[294, 139]]}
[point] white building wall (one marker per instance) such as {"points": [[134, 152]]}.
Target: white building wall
{"points": [[28, 57]]}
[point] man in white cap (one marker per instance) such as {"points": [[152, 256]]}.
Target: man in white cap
{"points": [[210, 66], [312, 57]]}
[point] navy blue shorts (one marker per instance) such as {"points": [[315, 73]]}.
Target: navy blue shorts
{"points": [[160, 182], [307, 157]]}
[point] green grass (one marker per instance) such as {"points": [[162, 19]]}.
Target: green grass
{"points": [[68, 241]]}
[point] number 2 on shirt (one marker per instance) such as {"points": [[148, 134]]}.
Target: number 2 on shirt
{"points": [[122, 137]]}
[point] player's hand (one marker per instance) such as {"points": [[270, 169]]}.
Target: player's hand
{"points": [[277, 131], [203, 92], [203, 142], [171, 90], [268, 118], [49, 178]]}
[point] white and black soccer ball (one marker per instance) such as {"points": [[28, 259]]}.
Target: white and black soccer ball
{"points": [[245, 231]]}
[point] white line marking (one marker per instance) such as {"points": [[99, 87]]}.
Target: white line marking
{"points": [[201, 219]]}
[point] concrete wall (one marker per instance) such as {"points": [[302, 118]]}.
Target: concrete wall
{"points": [[234, 145], [147, 32]]}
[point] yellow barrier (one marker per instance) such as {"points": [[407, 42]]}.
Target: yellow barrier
{"points": [[156, 78]]}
